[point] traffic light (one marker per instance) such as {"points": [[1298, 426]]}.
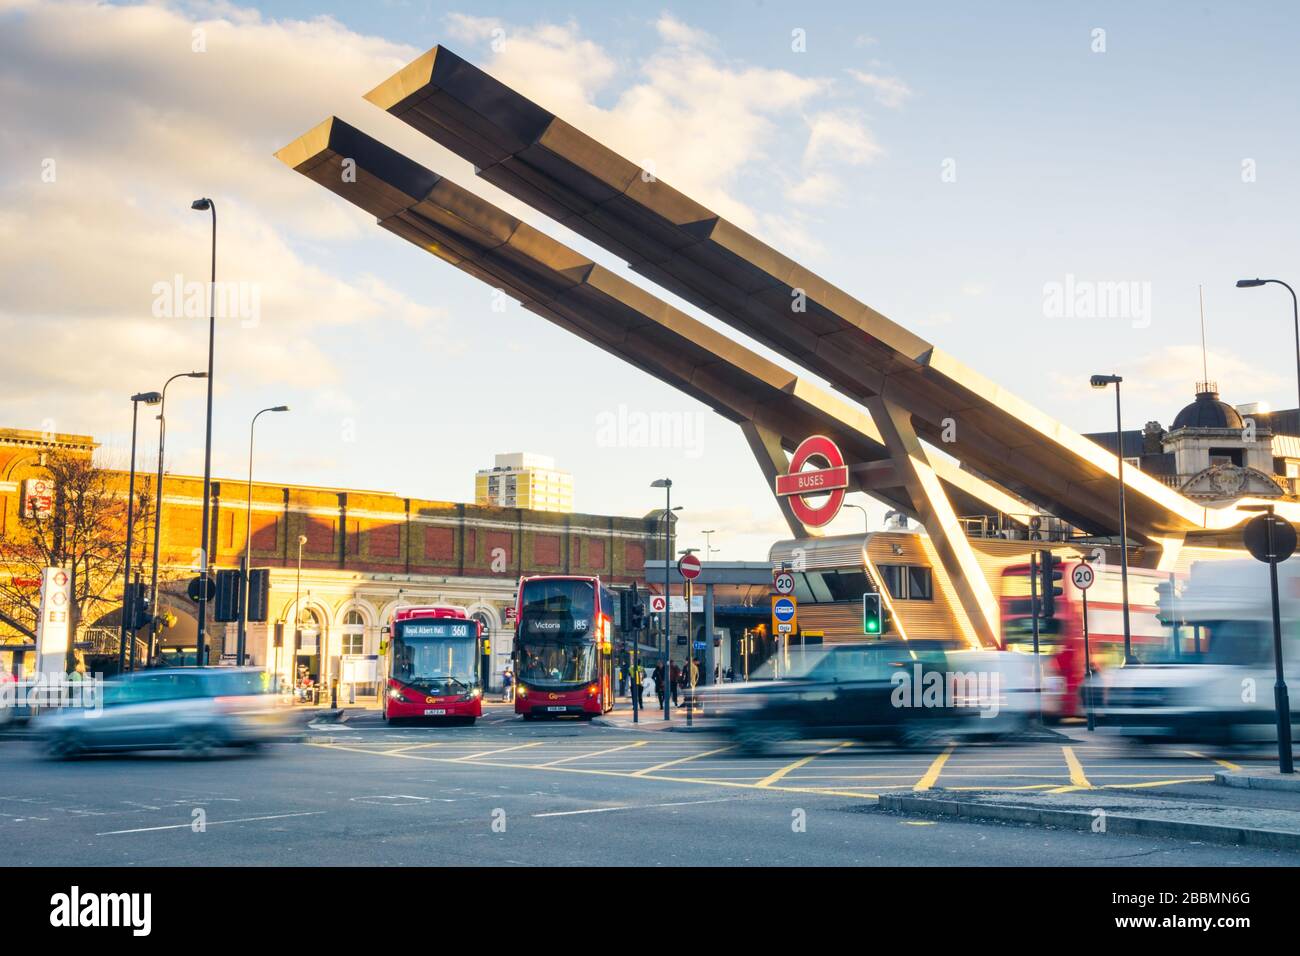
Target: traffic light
{"points": [[873, 621], [135, 606], [627, 610], [259, 594], [1166, 603], [226, 606], [1050, 584], [143, 608]]}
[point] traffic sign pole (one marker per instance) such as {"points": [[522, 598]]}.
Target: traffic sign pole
{"points": [[1083, 577], [1271, 539]]}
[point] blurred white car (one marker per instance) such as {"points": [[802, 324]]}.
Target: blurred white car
{"points": [[195, 710]]}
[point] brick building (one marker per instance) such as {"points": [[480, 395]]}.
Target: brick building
{"points": [[365, 552]]}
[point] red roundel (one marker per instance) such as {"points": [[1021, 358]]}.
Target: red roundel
{"points": [[829, 476]]}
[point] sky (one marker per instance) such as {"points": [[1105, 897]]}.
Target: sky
{"points": [[974, 171]]}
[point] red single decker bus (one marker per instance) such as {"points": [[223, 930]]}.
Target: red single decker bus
{"points": [[564, 643], [433, 665], [1060, 635]]}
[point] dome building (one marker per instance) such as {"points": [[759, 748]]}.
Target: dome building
{"points": [[1215, 451]]}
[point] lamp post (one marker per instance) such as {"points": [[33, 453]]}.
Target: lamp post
{"points": [[297, 620], [866, 518], [149, 398], [667, 485], [248, 541], [1101, 381], [1295, 313], [204, 205], [708, 545], [158, 502]]}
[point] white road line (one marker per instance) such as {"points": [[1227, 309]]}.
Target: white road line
{"points": [[639, 806], [213, 823]]}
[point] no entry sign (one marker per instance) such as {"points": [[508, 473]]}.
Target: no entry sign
{"points": [[688, 566], [828, 476]]}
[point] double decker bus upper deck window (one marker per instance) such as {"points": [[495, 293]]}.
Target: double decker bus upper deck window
{"points": [[556, 637]]}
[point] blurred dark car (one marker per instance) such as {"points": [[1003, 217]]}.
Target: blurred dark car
{"points": [[865, 691], [195, 710]]}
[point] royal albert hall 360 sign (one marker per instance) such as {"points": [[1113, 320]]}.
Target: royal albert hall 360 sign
{"points": [[828, 477]]}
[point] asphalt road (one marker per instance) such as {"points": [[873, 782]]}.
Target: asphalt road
{"points": [[509, 793]]}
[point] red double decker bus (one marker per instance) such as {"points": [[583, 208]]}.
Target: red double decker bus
{"points": [[564, 642], [1060, 636], [433, 665]]}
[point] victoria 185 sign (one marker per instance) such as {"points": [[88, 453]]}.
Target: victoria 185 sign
{"points": [[828, 477]]}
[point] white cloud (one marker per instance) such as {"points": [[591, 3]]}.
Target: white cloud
{"points": [[817, 188], [133, 124], [837, 136], [699, 121], [889, 91]]}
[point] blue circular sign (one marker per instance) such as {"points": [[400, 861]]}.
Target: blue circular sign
{"points": [[783, 609]]}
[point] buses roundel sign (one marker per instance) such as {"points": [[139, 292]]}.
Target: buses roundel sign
{"points": [[828, 476]]}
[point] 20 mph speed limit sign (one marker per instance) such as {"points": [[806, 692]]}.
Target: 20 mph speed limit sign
{"points": [[783, 582], [1083, 576]]}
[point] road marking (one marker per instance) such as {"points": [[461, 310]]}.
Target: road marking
{"points": [[1157, 783], [673, 763], [932, 775], [213, 823], [603, 773], [1225, 764], [639, 806], [1078, 778], [416, 746], [488, 753], [595, 753], [802, 762]]}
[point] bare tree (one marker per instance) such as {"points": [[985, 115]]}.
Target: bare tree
{"points": [[84, 533]]}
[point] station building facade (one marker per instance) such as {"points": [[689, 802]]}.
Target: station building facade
{"points": [[363, 553]]}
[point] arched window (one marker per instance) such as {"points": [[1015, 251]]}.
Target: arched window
{"points": [[354, 633]]}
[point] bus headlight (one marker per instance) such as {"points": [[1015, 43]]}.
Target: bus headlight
{"points": [[395, 694], [521, 690], [593, 689]]}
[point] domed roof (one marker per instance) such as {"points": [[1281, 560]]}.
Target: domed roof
{"points": [[1207, 411]]}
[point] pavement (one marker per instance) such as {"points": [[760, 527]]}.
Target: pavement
{"points": [[356, 791]]}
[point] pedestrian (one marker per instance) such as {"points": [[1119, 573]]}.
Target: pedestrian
{"points": [[675, 679], [508, 685], [638, 685], [658, 678]]}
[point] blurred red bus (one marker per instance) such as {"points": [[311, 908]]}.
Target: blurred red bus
{"points": [[1060, 636], [564, 642], [433, 665]]}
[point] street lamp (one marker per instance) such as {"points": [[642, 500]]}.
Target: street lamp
{"points": [[1295, 312], [667, 485], [248, 541], [149, 398], [204, 205], [708, 546], [866, 518], [1101, 381], [158, 502]]}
